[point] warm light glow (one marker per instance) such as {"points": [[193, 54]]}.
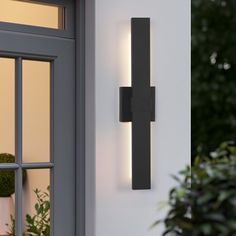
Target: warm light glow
{"points": [[129, 59], [125, 155], [36, 179], [129, 148], [125, 59], [34, 14], [129, 131], [7, 105], [36, 124], [125, 160], [36, 111]]}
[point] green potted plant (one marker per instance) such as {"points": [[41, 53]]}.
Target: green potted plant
{"points": [[39, 223], [7, 188], [204, 201]]}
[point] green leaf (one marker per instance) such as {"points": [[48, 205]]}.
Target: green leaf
{"points": [[204, 204]]}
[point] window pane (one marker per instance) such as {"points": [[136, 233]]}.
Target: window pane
{"points": [[36, 202], [7, 209], [7, 105], [36, 111], [34, 14]]}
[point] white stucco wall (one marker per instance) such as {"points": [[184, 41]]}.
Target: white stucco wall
{"points": [[120, 211]]}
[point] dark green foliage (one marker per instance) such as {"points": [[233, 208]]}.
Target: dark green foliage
{"points": [[39, 224], [204, 202], [7, 177], [213, 73]]}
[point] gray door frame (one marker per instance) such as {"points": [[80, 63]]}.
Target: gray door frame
{"points": [[60, 52], [84, 31], [85, 117], [80, 116]]}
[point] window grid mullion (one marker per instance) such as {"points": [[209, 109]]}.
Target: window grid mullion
{"points": [[18, 140], [52, 147], [9, 166], [39, 165]]}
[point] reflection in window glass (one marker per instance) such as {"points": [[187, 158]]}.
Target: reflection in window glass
{"points": [[34, 14]]}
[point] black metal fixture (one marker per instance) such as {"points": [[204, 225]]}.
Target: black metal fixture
{"points": [[137, 103]]}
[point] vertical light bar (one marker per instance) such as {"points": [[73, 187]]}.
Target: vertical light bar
{"points": [[137, 103], [18, 120], [141, 117]]}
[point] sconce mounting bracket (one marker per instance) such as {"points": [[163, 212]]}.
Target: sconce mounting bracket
{"points": [[128, 105]]}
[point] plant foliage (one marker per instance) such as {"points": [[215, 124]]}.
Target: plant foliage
{"points": [[213, 73], [7, 177], [204, 201], [39, 223]]}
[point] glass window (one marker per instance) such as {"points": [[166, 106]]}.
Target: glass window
{"points": [[36, 202], [31, 13], [7, 106], [7, 209], [36, 111]]}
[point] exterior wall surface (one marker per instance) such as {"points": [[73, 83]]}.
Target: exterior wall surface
{"points": [[119, 210]]}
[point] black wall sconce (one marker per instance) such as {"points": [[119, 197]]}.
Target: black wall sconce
{"points": [[137, 103]]}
